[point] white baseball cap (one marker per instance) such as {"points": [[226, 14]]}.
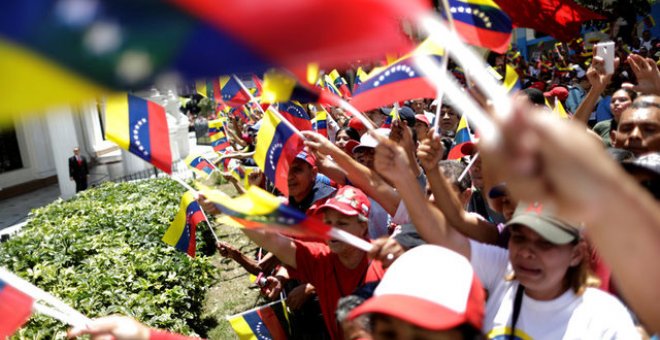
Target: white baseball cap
{"points": [[430, 287]]}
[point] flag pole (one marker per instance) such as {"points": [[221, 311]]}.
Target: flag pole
{"points": [[461, 100], [58, 315], [351, 239], [286, 122], [196, 194], [443, 66], [252, 99], [350, 108], [467, 168], [439, 33]]}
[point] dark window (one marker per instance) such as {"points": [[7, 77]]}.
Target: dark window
{"points": [[10, 154]]}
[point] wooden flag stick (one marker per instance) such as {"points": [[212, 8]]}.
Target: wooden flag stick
{"points": [[196, 195], [58, 315]]}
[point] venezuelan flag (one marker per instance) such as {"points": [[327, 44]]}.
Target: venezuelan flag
{"points": [[296, 114], [559, 109], [15, 309], [397, 82], [277, 146], [265, 322], [482, 23], [320, 123], [340, 83], [257, 208], [360, 76], [258, 86], [219, 141], [279, 87], [233, 93], [182, 231], [463, 136], [200, 165], [511, 79], [393, 116], [139, 126]]}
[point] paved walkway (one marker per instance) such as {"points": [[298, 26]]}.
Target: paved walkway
{"points": [[15, 210]]}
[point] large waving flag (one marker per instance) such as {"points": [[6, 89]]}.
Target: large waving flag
{"points": [[15, 309], [462, 137], [265, 322], [277, 146], [296, 114], [258, 208], [233, 94], [511, 80], [56, 52], [482, 23], [397, 82], [182, 231], [139, 126]]}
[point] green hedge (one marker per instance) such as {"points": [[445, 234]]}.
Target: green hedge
{"points": [[102, 253]]}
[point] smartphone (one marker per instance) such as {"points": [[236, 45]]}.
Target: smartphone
{"points": [[605, 50]]}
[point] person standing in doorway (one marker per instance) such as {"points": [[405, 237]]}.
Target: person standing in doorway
{"points": [[78, 170]]}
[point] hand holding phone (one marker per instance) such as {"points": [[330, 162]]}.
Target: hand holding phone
{"points": [[605, 50]]}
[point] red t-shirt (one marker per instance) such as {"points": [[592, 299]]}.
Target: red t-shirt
{"points": [[317, 265], [156, 334]]}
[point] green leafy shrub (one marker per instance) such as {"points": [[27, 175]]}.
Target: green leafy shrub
{"points": [[102, 253]]}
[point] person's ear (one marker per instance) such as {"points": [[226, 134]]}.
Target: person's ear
{"points": [[579, 252], [465, 196], [613, 137]]}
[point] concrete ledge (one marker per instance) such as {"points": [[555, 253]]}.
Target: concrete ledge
{"points": [[7, 233], [26, 187]]}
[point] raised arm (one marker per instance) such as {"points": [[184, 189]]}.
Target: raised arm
{"points": [[429, 153], [281, 246], [360, 176], [599, 81], [623, 220], [431, 224]]}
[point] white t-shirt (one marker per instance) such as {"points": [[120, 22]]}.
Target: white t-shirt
{"points": [[593, 315]]}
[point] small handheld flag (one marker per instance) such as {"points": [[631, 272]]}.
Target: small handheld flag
{"points": [[463, 136], [15, 309], [233, 93], [320, 123], [140, 126], [277, 146], [200, 165], [265, 322], [182, 231]]}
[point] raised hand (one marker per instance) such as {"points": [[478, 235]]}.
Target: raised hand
{"points": [[647, 73], [113, 327], [430, 151], [390, 159], [596, 73], [318, 143]]}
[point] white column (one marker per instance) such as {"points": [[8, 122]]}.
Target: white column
{"points": [[63, 138]]}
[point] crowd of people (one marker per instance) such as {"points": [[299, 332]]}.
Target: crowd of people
{"points": [[544, 235]]}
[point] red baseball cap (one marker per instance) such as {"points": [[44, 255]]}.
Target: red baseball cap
{"points": [[429, 299], [356, 124], [309, 158], [349, 201], [423, 119], [558, 91]]}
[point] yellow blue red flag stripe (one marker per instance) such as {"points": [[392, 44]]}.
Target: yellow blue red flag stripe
{"points": [[182, 231], [139, 126]]}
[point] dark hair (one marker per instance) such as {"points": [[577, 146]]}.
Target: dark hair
{"points": [[534, 95], [631, 94], [641, 103], [351, 132], [468, 332], [452, 170], [346, 304]]}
